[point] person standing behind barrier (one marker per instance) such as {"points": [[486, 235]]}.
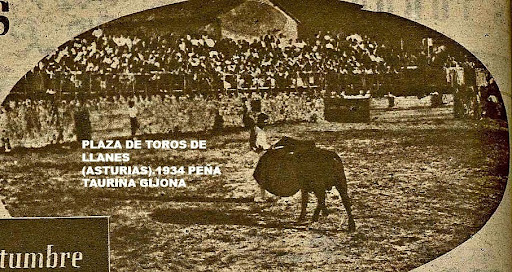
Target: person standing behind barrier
{"points": [[391, 100], [218, 122], [83, 127], [247, 121], [133, 112], [435, 100], [6, 144], [494, 105]]}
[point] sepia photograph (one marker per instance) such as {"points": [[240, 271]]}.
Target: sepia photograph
{"points": [[263, 135]]}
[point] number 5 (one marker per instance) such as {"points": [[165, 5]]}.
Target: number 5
{"points": [[4, 20]]}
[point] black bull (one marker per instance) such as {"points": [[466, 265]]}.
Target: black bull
{"points": [[292, 165]]}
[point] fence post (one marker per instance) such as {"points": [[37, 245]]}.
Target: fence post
{"points": [[133, 84], [184, 83], [41, 86], [25, 85]]}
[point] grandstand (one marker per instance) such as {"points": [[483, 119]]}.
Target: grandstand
{"points": [[193, 45]]}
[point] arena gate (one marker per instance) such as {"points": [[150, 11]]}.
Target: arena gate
{"points": [[347, 110]]}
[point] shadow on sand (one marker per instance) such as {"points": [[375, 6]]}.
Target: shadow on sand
{"points": [[252, 218]]}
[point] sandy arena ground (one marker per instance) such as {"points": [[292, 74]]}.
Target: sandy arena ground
{"points": [[421, 183]]}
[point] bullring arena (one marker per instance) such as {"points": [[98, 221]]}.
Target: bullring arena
{"points": [[426, 168]]}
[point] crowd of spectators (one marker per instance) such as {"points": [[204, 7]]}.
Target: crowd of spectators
{"points": [[200, 63]]}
